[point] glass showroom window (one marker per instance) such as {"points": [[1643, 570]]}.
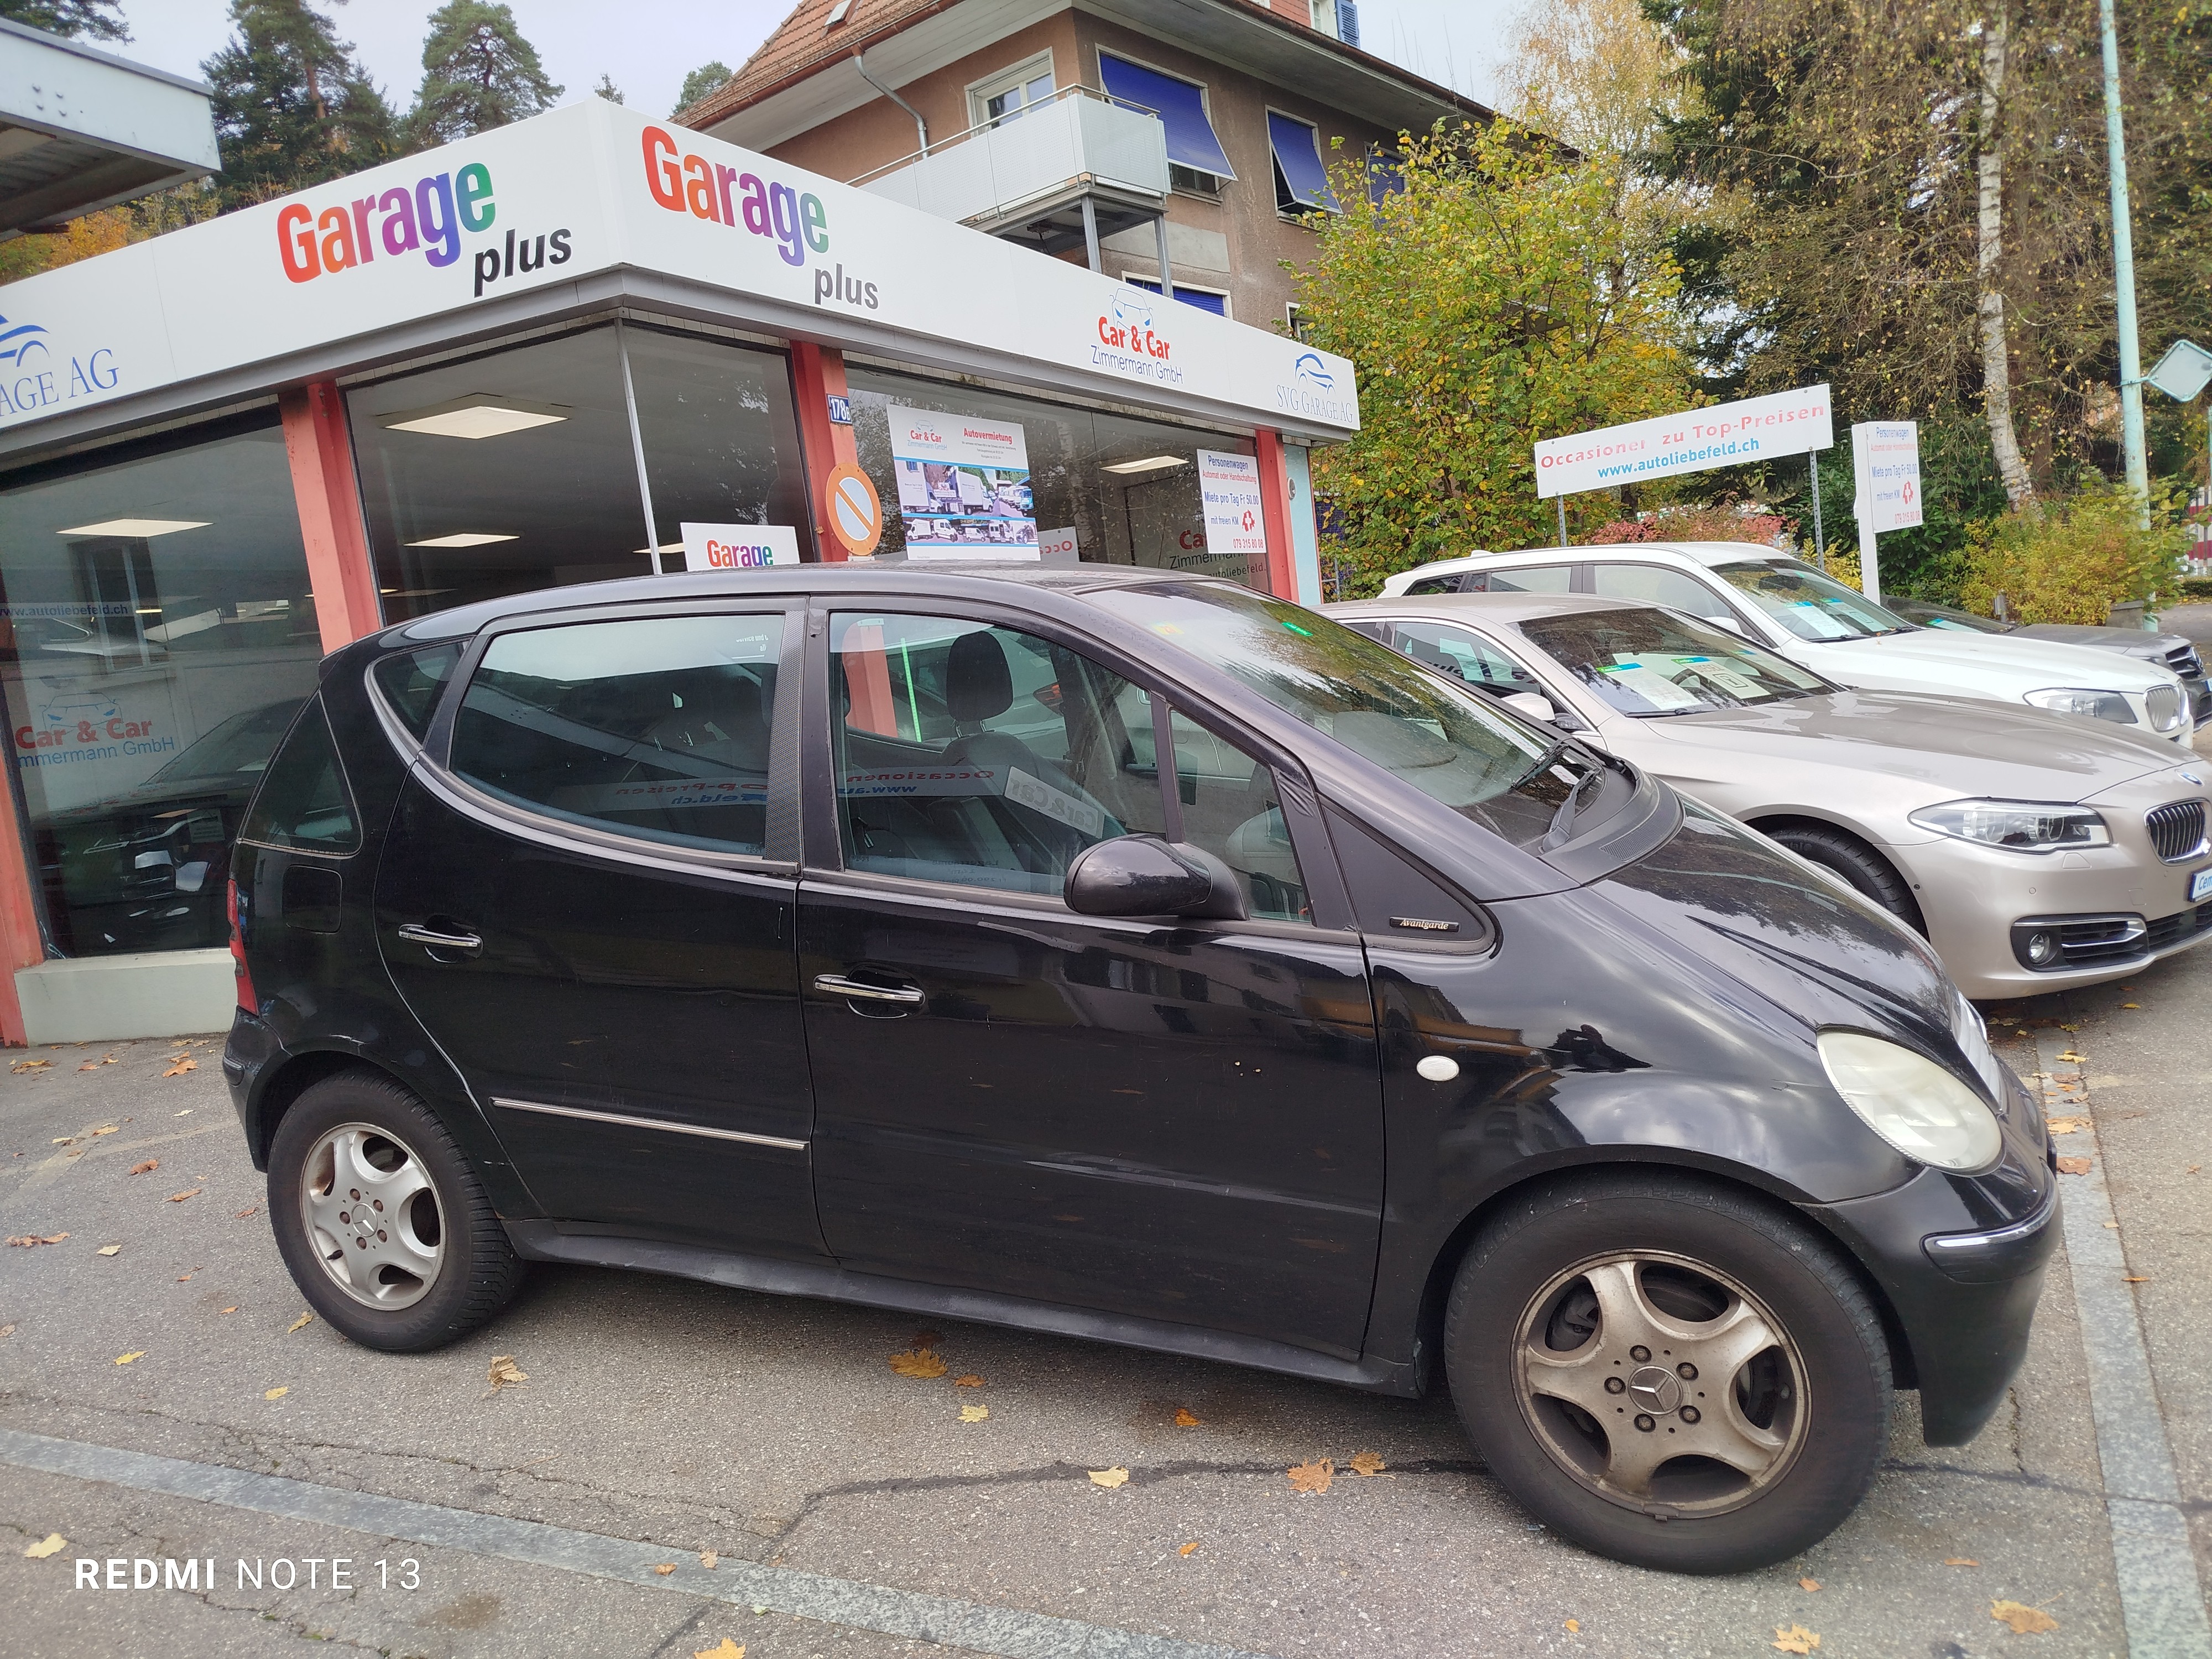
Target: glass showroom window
{"points": [[1019, 477], [721, 439], [156, 637]]}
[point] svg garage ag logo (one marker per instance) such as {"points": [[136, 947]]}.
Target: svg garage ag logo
{"points": [[38, 380], [428, 219]]}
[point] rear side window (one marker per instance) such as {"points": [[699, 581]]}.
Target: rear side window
{"points": [[1456, 651], [1533, 578], [657, 728], [411, 684], [304, 801], [1655, 584]]}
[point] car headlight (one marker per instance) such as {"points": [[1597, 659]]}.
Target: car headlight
{"points": [[2071, 700], [1916, 1105], [2019, 826]]}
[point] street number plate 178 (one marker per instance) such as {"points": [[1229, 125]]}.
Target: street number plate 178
{"points": [[2200, 887]]}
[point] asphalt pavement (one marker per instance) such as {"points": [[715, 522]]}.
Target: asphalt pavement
{"points": [[854, 1510]]}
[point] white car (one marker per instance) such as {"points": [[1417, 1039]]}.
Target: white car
{"points": [[1777, 600]]}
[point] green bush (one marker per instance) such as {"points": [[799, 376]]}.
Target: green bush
{"points": [[2072, 561]]}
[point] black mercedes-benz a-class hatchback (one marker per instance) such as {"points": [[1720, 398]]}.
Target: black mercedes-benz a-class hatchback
{"points": [[1135, 958]]}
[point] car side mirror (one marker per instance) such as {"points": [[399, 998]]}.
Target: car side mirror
{"points": [[1146, 875], [1534, 704]]}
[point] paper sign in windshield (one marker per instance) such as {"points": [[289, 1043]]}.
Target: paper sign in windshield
{"points": [[963, 486], [1654, 687]]}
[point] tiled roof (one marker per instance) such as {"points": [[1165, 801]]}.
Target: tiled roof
{"points": [[804, 41]]}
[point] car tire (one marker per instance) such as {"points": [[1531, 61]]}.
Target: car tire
{"points": [[1865, 871], [415, 1257], [1581, 1284]]}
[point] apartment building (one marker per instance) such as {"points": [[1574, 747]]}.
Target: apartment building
{"points": [[1182, 142]]}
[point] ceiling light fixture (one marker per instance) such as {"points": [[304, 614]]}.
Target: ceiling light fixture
{"points": [[479, 415], [141, 528], [463, 538], [1150, 463]]}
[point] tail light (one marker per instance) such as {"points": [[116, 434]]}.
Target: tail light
{"points": [[245, 997]]}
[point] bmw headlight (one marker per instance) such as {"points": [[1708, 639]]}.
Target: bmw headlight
{"points": [[2020, 826], [2073, 699], [1916, 1105]]}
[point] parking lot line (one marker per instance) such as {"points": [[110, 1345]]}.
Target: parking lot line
{"points": [[2159, 1597], [966, 1625]]}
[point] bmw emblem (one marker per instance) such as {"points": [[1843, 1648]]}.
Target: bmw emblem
{"points": [[2192, 777]]}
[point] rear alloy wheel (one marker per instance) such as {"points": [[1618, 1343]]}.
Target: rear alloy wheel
{"points": [[1864, 871], [1668, 1373], [385, 1227]]}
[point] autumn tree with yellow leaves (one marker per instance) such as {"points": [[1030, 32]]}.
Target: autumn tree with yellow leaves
{"points": [[1492, 296]]}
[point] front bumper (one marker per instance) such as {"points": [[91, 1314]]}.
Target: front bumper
{"points": [[1961, 1261]]}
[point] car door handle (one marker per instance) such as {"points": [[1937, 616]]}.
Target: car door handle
{"points": [[414, 933], [837, 984]]}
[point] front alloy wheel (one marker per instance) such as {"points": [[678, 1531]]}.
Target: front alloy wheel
{"points": [[1667, 1370]]}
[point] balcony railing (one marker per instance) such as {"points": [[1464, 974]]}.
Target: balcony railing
{"points": [[1021, 173]]}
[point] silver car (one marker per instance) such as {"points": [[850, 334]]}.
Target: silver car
{"points": [[2035, 850]]}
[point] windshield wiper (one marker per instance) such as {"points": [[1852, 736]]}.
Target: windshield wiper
{"points": [[1543, 763], [1563, 821]]}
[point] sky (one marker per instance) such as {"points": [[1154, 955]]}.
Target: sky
{"points": [[656, 43]]}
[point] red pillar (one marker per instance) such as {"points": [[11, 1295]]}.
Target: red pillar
{"points": [[19, 936], [343, 576], [1275, 513], [817, 374]]}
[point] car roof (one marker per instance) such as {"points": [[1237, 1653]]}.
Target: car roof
{"points": [[1707, 553], [1510, 608], [899, 576]]}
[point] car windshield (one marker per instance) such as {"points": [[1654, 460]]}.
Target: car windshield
{"points": [[1656, 662], [1449, 741], [1809, 604], [1964, 621]]}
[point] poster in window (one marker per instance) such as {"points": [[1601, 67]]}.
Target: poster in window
{"points": [[964, 486]]}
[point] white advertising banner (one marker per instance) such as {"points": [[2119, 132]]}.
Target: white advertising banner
{"points": [[738, 546], [1229, 486], [1886, 467], [964, 486], [588, 188], [1695, 440]]}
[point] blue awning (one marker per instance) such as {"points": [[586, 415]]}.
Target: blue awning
{"points": [[1297, 154], [1181, 106], [1216, 303]]}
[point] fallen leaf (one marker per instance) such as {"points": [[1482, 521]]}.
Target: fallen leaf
{"points": [[309, 1319], [1188, 1547], [2134, 1278], [187, 1112], [189, 1192], [2131, 1005], [185, 1279], [970, 1381], [504, 1371], [275, 1394], [2025, 1620], [1574, 1625], [1368, 1463], [1314, 1476], [7, 1330], [1960, 1561], [729, 1649], [665, 1568], [181, 1068], [2073, 1166], [245, 1213], [112, 1129], [974, 1413], [1809, 1584], [1795, 1639], [150, 1165], [231, 1309], [2070, 1055], [64, 1141], [109, 1249], [126, 1359], [921, 1362], [51, 1544], [709, 1560], [2066, 1126], [1110, 1478], [1186, 1419], [31, 1241], [29, 1064]]}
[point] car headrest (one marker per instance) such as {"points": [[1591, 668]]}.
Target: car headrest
{"points": [[977, 683]]}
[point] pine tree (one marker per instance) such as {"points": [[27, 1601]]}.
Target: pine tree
{"points": [[707, 78], [292, 105], [479, 73], [607, 89], [89, 20]]}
